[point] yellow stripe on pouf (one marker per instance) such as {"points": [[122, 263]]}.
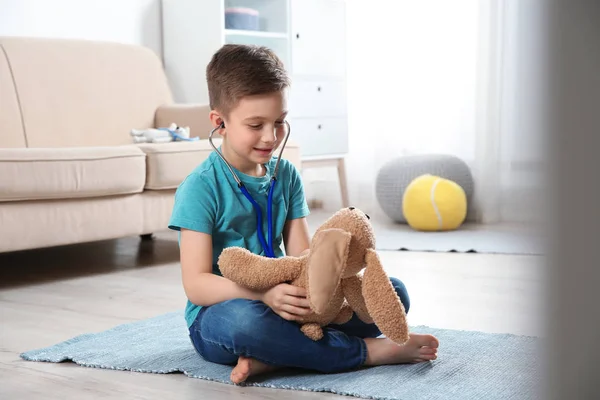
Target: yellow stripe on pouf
{"points": [[432, 203]]}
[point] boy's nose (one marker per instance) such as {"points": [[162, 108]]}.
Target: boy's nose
{"points": [[269, 135]]}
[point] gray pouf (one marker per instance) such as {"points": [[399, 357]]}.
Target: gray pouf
{"points": [[397, 174]]}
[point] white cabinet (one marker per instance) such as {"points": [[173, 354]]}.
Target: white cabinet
{"points": [[308, 35], [318, 93], [193, 30], [318, 106]]}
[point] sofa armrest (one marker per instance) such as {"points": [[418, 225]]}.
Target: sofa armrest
{"points": [[193, 115]]}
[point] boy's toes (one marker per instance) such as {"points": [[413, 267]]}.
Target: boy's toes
{"points": [[241, 371], [427, 351], [422, 340]]}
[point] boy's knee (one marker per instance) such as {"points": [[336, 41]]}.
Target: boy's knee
{"points": [[228, 328], [400, 289], [236, 318]]}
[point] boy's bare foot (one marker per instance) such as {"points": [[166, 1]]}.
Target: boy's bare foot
{"points": [[419, 348], [380, 351], [247, 367]]}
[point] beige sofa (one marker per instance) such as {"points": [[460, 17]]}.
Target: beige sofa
{"points": [[69, 171]]}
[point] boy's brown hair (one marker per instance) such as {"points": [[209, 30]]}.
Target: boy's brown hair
{"points": [[236, 71]]}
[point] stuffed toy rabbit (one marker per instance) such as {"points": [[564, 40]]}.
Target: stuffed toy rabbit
{"points": [[340, 250]]}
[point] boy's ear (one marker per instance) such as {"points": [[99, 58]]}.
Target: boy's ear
{"points": [[216, 119]]}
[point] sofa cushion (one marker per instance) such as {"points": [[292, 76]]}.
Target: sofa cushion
{"points": [[60, 173], [169, 163]]}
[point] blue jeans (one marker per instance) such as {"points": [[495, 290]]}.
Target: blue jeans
{"points": [[224, 331]]}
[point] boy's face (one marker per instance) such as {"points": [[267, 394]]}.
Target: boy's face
{"points": [[254, 129]]}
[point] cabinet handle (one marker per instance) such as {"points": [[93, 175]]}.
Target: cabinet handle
{"points": [[319, 126], [318, 88], [297, 36]]}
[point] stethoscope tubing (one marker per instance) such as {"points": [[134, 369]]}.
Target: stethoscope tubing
{"points": [[267, 244]]}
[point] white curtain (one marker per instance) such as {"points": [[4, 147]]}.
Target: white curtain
{"points": [[509, 143], [447, 77]]}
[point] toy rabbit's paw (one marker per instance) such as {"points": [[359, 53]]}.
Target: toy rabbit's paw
{"points": [[312, 331], [232, 260], [257, 272]]}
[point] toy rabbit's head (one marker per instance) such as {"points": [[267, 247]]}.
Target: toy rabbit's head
{"points": [[362, 237]]}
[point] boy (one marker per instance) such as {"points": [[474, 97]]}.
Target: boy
{"points": [[229, 324]]}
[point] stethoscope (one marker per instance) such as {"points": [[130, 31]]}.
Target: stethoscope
{"points": [[267, 245]]}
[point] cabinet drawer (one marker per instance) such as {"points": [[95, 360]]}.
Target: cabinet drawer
{"points": [[317, 98], [320, 136]]}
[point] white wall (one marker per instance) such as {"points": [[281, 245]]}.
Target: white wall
{"points": [[123, 21]]}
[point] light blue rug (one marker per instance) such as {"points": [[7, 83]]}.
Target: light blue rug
{"points": [[470, 365]]}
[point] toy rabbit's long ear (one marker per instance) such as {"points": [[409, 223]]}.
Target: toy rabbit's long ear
{"points": [[257, 272], [382, 301], [326, 265], [353, 293]]}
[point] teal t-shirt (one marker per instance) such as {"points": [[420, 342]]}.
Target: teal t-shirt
{"points": [[209, 201]]}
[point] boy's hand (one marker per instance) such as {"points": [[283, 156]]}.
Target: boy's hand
{"points": [[289, 302]]}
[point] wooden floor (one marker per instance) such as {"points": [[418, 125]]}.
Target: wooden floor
{"points": [[50, 295]]}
